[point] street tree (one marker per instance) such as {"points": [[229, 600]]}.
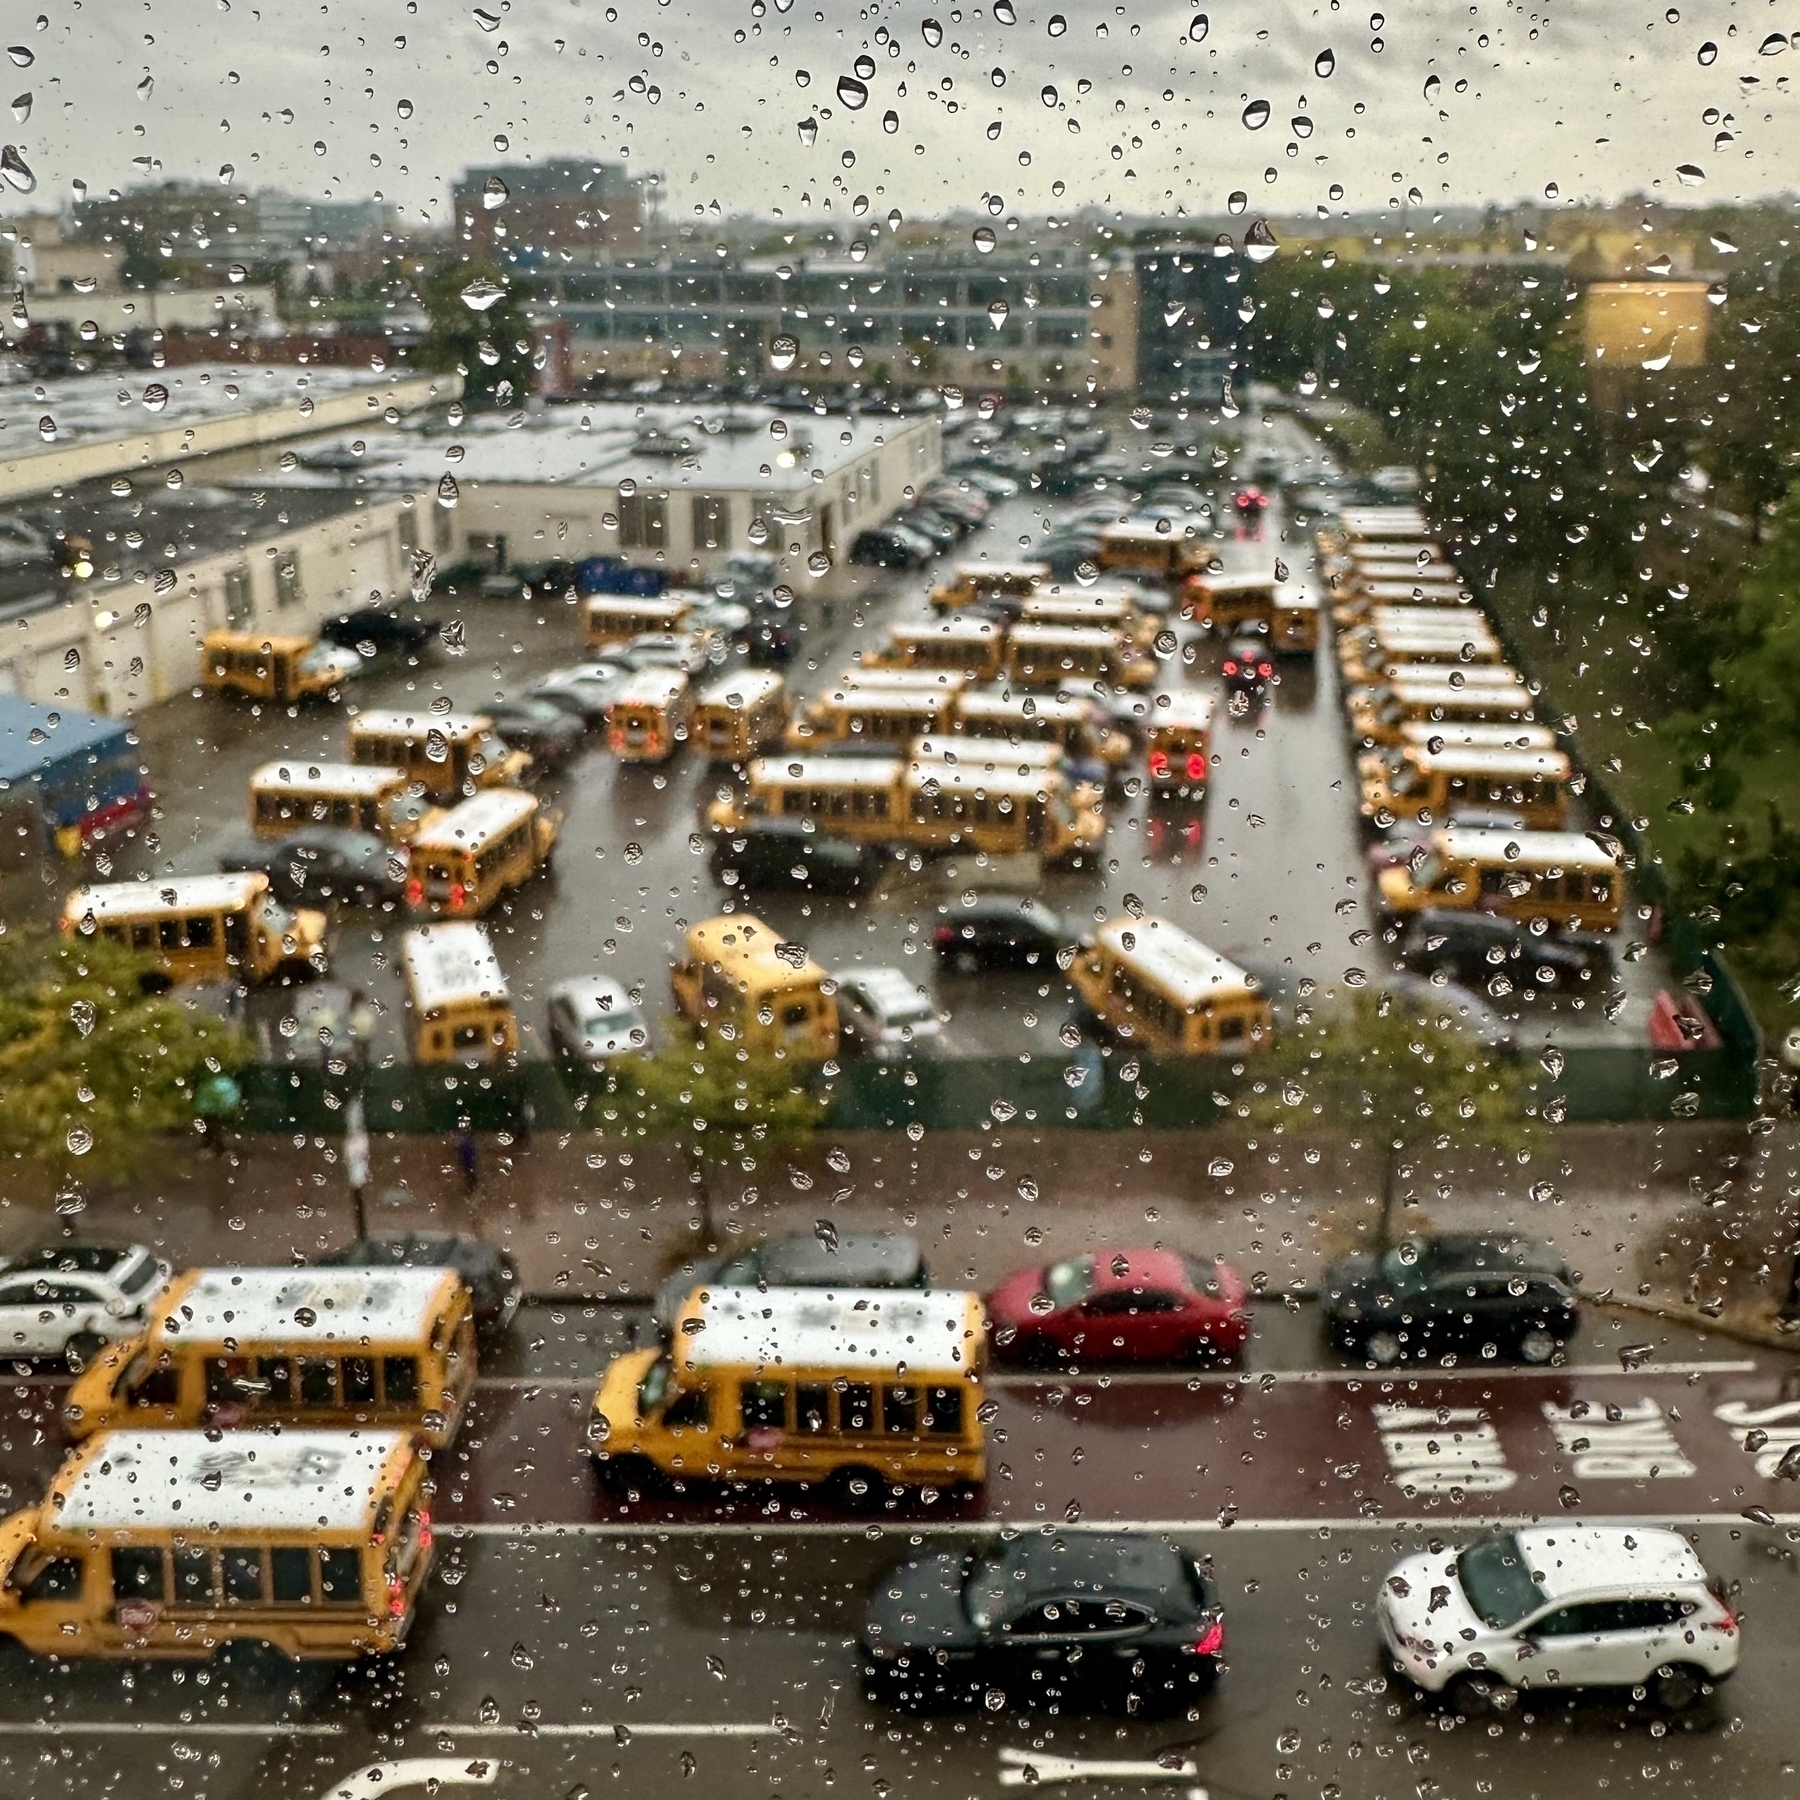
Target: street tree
{"points": [[93, 1067], [1400, 1078], [477, 329]]}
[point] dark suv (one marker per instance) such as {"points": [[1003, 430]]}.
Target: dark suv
{"points": [[1474, 947], [1000, 932], [380, 628], [1460, 1294], [782, 854]]}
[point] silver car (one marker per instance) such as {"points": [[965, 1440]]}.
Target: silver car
{"points": [[594, 1021], [886, 1014]]}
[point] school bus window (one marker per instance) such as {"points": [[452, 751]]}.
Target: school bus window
{"points": [[899, 1411], [340, 1577], [241, 1573], [359, 1381], [400, 1379], [193, 1578], [160, 1386], [39, 1577], [1231, 1028], [279, 1376], [944, 1411], [225, 1379], [856, 1407], [290, 1576], [318, 1381], [694, 1408], [137, 1574], [810, 1405], [765, 1405]]}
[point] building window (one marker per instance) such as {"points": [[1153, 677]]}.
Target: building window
{"points": [[440, 530], [287, 578], [643, 521], [240, 602], [408, 527], [712, 521]]}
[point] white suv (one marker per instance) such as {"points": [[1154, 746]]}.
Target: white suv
{"points": [[71, 1300], [1559, 1606]]}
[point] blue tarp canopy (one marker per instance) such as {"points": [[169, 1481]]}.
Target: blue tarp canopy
{"points": [[68, 758]]}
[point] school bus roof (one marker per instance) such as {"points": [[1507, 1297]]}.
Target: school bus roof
{"points": [[1298, 596], [1065, 637], [915, 681], [997, 574], [1527, 849], [1183, 711], [1191, 973], [473, 822], [273, 643], [303, 1308], [1057, 609], [736, 939], [1430, 680], [1492, 759], [1433, 621], [1404, 591], [412, 727], [872, 693], [171, 895], [816, 771], [989, 703], [745, 688], [952, 630], [1373, 550], [1219, 583], [984, 756], [1142, 531], [976, 777], [326, 777], [649, 687], [1478, 735], [871, 1331], [1391, 524], [306, 1482], [631, 606], [449, 963]]}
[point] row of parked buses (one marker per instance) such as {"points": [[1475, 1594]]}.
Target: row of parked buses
{"points": [[1470, 791]]}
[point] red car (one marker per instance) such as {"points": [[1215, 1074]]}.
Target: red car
{"points": [[1121, 1306]]}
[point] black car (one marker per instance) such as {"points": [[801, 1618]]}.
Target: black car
{"points": [[882, 547], [1498, 956], [548, 733], [780, 854], [1000, 933], [932, 526], [850, 1259], [1459, 1294], [321, 863], [1249, 666], [489, 1273], [1115, 1618], [379, 628]]}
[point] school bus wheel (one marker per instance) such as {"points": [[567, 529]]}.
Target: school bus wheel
{"points": [[857, 1489], [629, 1476]]}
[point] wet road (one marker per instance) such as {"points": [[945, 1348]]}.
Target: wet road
{"points": [[565, 1646]]}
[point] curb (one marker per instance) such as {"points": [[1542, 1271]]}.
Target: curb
{"points": [[1774, 1339]]}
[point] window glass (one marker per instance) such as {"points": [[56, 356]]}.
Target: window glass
{"points": [[359, 1380], [856, 1407], [137, 1574], [290, 1575], [900, 1410], [318, 1380], [765, 1405], [340, 1576], [58, 1579], [193, 1571], [241, 1575], [400, 1380]]}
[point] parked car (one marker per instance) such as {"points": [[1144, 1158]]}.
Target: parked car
{"points": [[1460, 1293], [1120, 1306], [780, 854], [1249, 666], [546, 731], [849, 1259], [890, 547], [595, 1022], [885, 1014], [932, 526], [379, 629], [489, 1272], [1559, 1607], [984, 480], [69, 1301], [997, 932], [1117, 1618], [966, 510], [320, 864], [746, 572], [1068, 553], [692, 654], [1475, 947], [584, 692]]}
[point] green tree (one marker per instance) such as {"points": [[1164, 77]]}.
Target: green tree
{"points": [[485, 340], [91, 1066], [725, 1107], [1405, 1079]]}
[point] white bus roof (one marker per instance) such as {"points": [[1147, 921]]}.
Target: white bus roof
{"points": [[975, 574], [1030, 783], [1238, 581], [449, 963], [985, 755], [1390, 524], [951, 630], [989, 703], [872, 692], [916, 681], [626, 606], [198, 1482], [414, 726], [1369, 551], [298, 777], [929, 1331], [649, 687], [1067, 637], [471, 823], [1491, 759], [1177, 962], [1143, 531], [305, 1308], [822, 771], [1478, 735], [1053, 609], [748, 687], [1186, 710], [171, 895], [1433, 621], [1430, 680], [1565, 849]]}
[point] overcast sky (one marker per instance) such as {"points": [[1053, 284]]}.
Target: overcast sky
{"points": [[1605, 97]]}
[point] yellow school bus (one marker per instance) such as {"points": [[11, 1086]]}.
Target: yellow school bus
{"points": [[154, 1545], [866, 1390], [1385, 525], [1228, 602], [1459, 637], [1178, 744], [1077, 725], [308, 1347], [970, 647], [1111, 606], [447, 755], [286, 796], [737, 977], [873, 711], [980, 581], [1148, 981], [1150, 549], [1355, 603], [1416, 785], [1562, 877], [1430, 694], [737, 715], [1050, 655], [1294, 622], [278, 669], [618, 618], [468, 857], [203, 928], [458, 1006], [649, 716]]}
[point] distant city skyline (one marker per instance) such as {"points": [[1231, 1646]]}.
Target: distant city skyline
{"points": [[1353, 115]]}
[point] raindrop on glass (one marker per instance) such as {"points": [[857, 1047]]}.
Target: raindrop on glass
{"points": [[1259, 242], [494, 193], [1057, 25], [1048, 95], [21, 108], [1237, 201], [853, 93], [1198, 28], [1325, 65], [784, 352], [481, 294], [1708, 54], [448, 493], [984, 239], [809, 132], [20, 55], [16, 170], [1256, 115], [996, 312], [1004, 14], [931, 31]]}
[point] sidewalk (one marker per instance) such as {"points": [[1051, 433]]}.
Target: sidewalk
{"points": [[586, 1217]]}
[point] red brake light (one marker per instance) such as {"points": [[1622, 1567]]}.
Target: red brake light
{"points": [[415, 893], [943, 935], [424, 1531], [1210, 1642], [1159, 763], [1196, 766], [458, 894], [1265, 668], [1230, 666], [396, 1597]]}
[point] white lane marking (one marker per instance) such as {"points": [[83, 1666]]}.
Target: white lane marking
{"points": [[1248, 1378], [412, 1771], [1026, 1768], [695, 1528], [160, 1728], [1442, 1449], [716, 1728]]}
